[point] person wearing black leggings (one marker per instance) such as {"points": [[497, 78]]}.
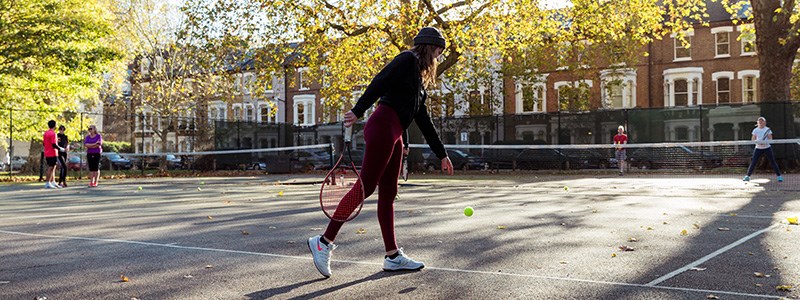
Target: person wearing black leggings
{"points": [[400, 88], [63, 142]]}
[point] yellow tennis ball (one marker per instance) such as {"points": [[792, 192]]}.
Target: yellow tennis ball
{"points": [[566, 188], [140, 188], [468, 211], [280, 193]]}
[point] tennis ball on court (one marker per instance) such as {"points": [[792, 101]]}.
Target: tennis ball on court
{"points": [[202, 182], [468, 211], [140, 188], [280, 193], [566, 188]]}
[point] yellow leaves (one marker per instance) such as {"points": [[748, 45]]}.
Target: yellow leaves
{"points": [[684, 232], [123, 278], [361, 231], [501, 227], [784, 288], [792, 220]]}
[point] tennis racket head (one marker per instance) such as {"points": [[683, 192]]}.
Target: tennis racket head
{"points": [[342, 193]]}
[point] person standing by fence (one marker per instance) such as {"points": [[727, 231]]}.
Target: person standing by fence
{"points": [[93, 143], [619, 151], [63, 142]]}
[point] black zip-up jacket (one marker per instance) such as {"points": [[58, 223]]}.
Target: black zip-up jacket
{"points": [[399, 85]]}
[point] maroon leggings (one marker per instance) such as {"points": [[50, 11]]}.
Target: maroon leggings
{"points": [[383, 156]]}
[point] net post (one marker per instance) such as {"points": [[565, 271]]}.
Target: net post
{"points": [[10, 142]]}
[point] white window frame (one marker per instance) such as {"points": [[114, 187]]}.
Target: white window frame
{"points": [[249, 107], [628, 77], [743, 75], [559, 84], [237, 116], [675, 43], [722, 30], [724, 74], [689, 74], [260, 115], [540, 83], [309, 109], [300, 72], [743, 41]]}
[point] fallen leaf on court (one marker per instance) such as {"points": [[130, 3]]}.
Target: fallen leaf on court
{"points": [[698, 269], [684, 232], [40, 298], [290, 242], [750, 253], [724, 229], [784, 288], [594, 211], [613, 254], [788, 229], [563, 224], [759, 285], [312, 229], [272, 227], [563, 262], [280, 193], [761, 275], [696, 226], [732, 214], [626, 248], [210, 217], [123, 278], [712, 296], [792, 220], [227, 202], [199, 189], [209, 266], [361, 231], [244, 232], [134, 298], [4, 282], [649, 228], [188, 276], [665, 223], [632, 240], [501, 227]]}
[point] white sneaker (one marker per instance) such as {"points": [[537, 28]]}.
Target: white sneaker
{"points": [[53, 184], [401, 262], [321, 254], [49, 186]]}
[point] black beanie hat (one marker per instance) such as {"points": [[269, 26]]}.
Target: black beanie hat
{"points": [[431, 36]]}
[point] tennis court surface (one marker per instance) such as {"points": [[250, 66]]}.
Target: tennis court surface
{"points": [[533, 236]]}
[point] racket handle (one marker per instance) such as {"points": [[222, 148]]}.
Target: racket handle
{"points": [[348, 134]]}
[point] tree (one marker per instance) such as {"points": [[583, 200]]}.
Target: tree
{"points": [[52, 53]]}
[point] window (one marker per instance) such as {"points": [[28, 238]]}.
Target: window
{"points": [[573, 96], [532, 98], [302, 79], [683, 52], [747, 38], [749, 87], [618, 88], [723, 90], [237, 112], [249, 112], [301, 113], [266, 113], [681, 92], [723, 44]]}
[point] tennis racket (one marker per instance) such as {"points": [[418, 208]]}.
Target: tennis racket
{"points": [[342, 193], [766, 134]]}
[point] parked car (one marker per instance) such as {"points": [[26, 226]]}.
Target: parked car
{"points": [[584, 158], [461, 160], [17, 163], [310, 160], [545, 159], [257, 166], [501, 158], [357, 155], [679, 157], [114, 161], [75, 163]]}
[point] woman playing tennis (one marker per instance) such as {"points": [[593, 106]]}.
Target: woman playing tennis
{"points": [[762, 135], [400, 88]]}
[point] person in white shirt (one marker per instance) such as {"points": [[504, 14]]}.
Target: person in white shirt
{"points": [[762, 135]]}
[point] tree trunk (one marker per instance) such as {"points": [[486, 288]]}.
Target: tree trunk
{"points": [[777, 43]]}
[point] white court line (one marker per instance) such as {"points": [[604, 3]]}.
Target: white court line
{"points": [[710, 256], [380, 264]]}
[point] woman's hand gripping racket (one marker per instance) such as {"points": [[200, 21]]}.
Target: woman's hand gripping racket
{"points": [[342, 193]]}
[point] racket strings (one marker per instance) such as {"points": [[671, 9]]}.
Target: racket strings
{"points": [[342, 195]]}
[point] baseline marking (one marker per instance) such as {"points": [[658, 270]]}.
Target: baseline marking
{"points": [[380, 264]]}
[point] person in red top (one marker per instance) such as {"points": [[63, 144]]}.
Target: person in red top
{"points": [[51, 148], [620, 139]]}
